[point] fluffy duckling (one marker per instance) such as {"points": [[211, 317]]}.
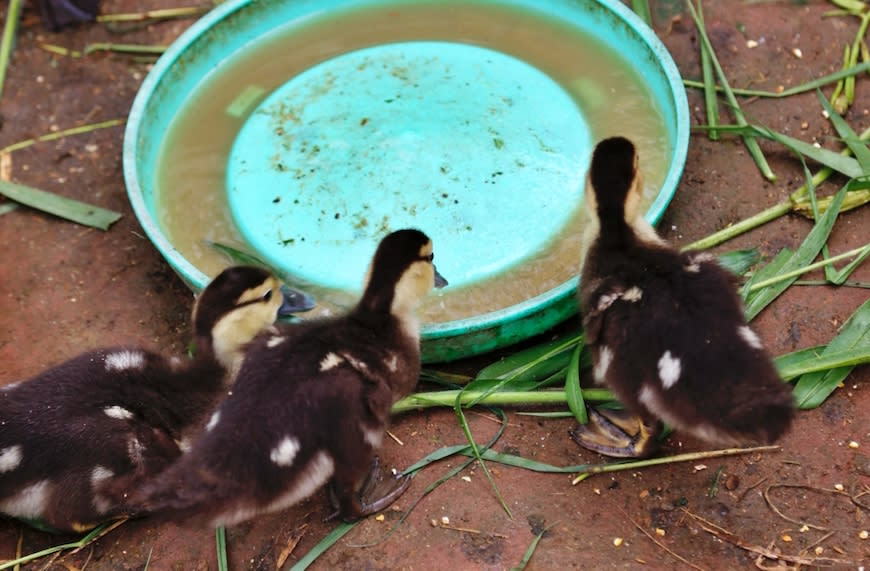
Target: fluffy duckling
{"points": [[121, 413], [666, 330], [309, 406]]}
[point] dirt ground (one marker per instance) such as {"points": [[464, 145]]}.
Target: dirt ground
{"points": [[65, 289]]}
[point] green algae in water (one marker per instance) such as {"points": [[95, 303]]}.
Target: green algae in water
{"points": [[191, 195]]}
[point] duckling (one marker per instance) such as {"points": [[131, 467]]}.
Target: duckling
{"points": [[666, 330], [121, 413], [309, 406]]}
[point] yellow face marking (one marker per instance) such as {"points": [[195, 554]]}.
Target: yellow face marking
{"points": [[257, 309]]}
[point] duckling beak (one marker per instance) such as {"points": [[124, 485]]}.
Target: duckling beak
{"points": [[295, 301], [439, 279]]}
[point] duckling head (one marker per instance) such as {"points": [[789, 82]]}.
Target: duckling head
{"points": [[614, 184], [236, 305], [402, 272]]}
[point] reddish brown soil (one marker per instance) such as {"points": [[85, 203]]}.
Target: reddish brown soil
{"points": [[65, 289]]}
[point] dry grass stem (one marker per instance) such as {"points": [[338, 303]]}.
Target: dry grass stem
{"points": [[663, 547], [765, 552], [777, 511], [396, 438], [295, 537]]}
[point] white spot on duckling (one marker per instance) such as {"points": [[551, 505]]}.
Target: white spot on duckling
{"points": [[605, 357], [29, 502], [669, 369], [373, 437], [212, 422], [275, 341], [10, 458], [393, 363], [647, 397], [331, 361], [134, 450], [695, 261], [100, 473], [750, 337], [355, 363], [315, 474], [285, 452], [607, 300], [118, 412], [123, 360], [632, 294]]}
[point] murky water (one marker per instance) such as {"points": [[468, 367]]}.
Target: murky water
{"points": [[192, 206]]}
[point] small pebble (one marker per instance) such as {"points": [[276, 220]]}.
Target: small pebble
{"points": [[853, 444], [732, 482], [819, 550], [660, 532], [797, 53], [699, 467], [445, 520], [786, 538], [805, 528], [617, 541], [466, 479], [380, 517], [839, 487], [751, 44], [805, 125], [864, 534]]}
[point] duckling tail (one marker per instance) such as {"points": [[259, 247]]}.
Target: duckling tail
{"points": [[764, 420]]}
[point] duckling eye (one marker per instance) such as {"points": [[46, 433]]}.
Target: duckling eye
{"points": [[430, 257], [267, 296]]}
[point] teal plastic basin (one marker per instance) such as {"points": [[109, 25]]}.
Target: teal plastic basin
{"points": [[446, 106]]}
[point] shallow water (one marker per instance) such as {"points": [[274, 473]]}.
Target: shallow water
{"points": [[192, 205]]}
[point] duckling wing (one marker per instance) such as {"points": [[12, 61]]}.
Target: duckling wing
{"points": [[273, 442]]}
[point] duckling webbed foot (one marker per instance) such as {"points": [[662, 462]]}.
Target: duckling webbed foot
{"points": [[376, 493], [618, 434]]}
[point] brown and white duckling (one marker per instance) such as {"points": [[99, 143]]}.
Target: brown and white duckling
{"points": [[666, 329], [309, 406], [121, 413]]}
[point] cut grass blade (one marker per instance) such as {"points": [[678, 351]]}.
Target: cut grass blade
{"points": [[96, 533], [457, 408], [10, 29], [220, 534], [796, 90], [434, 457], [536, 362], [861, 252], [738, 262], [711, 102], [164, 14], [749, 140], [641, 8], [62, 134], [797, 202], [505, 398], [66, 208], [573, 392], [858, 148], [334, 536], [688, 457], [805, 253], [527, 556], [853, 341], [124, 48]]}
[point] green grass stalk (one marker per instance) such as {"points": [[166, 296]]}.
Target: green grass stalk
{"points": [[748, 140], [13, 13], [502, 398], [61, 134]]}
